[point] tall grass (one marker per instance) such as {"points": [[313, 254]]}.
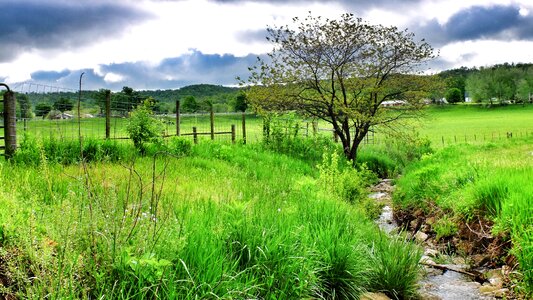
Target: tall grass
{"points": [[219, 221]]}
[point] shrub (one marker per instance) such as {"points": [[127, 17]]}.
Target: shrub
{"points": [[142, 127], [454, 95], [341, 179]]}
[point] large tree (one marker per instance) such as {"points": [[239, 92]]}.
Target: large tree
{"points": [[63, 104], [341, 71]]}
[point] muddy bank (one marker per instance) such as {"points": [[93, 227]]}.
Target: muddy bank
{"points": [[467, 265]]}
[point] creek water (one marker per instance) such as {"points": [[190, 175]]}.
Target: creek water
{"points": [[435, 284]]}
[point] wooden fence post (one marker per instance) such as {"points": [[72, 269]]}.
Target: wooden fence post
{"points": [[107, 114], [244, 128], [178, 133], [233, 133], [10, 124], [335, 136], [212, 121], [315, 127], [194, 135]]}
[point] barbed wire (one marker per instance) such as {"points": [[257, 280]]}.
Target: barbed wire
{"points": [[27, 87]]}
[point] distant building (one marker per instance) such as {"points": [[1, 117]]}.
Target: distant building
{"points": [[393, 103], [467, 97]]}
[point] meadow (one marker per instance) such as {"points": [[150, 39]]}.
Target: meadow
{"points": [[442, 125], [214, 220], [282, 218]]}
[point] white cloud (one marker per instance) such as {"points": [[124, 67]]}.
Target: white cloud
{"points": [[113, 77], [486, 53]]}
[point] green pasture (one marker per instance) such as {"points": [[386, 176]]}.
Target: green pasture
{"points": [[95, 127], [442, 125], [475, 124]]}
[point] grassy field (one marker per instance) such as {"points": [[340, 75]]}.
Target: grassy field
{"points": [[224, 221], [476, 124], [442, 125], [259, 221], [95, 127]]}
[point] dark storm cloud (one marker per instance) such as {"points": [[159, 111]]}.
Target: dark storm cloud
{"points": [[477, 22], [28, 24], [171, 73], [49, 75]]}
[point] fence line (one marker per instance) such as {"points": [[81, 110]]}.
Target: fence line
{"points": [[109, 121]]}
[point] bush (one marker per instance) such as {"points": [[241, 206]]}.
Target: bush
{"points": [[454, 95], [341, 179], [142, 127]]}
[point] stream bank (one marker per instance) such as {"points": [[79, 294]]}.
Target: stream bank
{"points": [[444, 276]]}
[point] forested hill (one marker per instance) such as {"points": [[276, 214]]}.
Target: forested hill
{"points": [[199, 91]]}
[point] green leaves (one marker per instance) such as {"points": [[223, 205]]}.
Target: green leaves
{"points": [[142, 127]]}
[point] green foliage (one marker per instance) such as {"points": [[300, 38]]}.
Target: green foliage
{"points": [[378, 162], [454, 95], [33, 152], [396, 267], [29, 151], [218, 223], [179, 146], [445, 227], [500, 82], [42, 109], [240, 102], [142, 127], [189, 105], [63, 104], [281, 133], [489, 195], [341, 179]]}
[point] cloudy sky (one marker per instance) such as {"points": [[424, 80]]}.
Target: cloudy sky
{"points": [[161, 44]]}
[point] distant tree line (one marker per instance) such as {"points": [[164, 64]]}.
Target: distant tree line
{"points": [[195, 98], [498, 83]]}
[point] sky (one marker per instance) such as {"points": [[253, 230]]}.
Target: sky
{"points": [[168, 44]]}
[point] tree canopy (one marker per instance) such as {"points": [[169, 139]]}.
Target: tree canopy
{"points": [[63, 104], [341, 71], [453, 95]]}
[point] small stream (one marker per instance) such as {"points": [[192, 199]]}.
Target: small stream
{"points": [[436, 284]]}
